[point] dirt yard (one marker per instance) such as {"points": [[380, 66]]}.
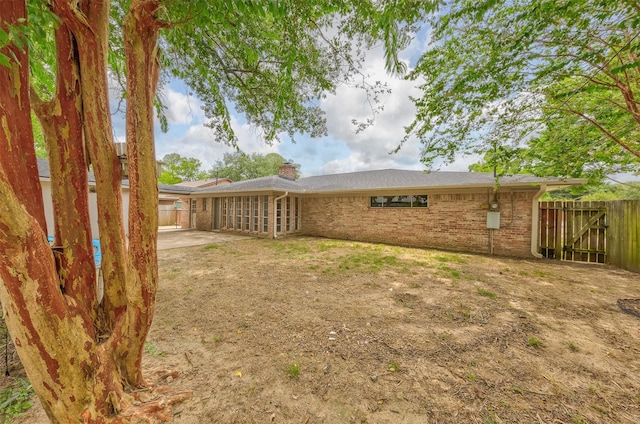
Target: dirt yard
{"points": [[310, 330]]}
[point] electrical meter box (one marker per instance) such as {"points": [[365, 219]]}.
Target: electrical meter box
{"points": [[493, 220]]}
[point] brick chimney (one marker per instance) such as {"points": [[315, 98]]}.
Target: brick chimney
{"points": [[288, 171]]}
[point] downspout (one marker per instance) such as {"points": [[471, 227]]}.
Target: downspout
{"points": [[535, 218], [275, 209]]}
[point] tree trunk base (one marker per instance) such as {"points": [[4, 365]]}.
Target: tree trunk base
{"points": [[151, 406]]}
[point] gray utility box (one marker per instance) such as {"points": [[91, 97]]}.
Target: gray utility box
{"points": [[493, 220]]}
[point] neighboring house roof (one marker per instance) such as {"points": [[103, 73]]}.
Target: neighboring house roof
{"points": [[387, 179], [45, 172], [270, 183], [174, 189], [205, 183]]}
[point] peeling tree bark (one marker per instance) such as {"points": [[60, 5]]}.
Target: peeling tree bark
{"points": [[16, 135], [80, 356], [140, 35]]}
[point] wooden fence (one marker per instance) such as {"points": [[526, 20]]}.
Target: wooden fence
{"points": [[573, 231], [167, 215], [623, 236], [602, 232]]}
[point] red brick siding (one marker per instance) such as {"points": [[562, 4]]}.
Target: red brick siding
{"points": [[183, 218], [452, 221]]}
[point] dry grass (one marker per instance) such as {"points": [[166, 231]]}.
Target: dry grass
{"points": [[384, 334]]}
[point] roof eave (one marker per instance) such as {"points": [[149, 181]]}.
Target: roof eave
{"points": [[525, 185]]}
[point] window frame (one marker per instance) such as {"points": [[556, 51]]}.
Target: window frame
{"points": [[399, 201]]}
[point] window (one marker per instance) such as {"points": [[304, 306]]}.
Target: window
{"points": [[204, 204], [279, 216], [223, 218], [418, 201], [247, 212], [288, 214], [296, 211], [255, 218], [265, 214], [238, 213], [231, 214]]}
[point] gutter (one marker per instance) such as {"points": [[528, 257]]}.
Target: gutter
{"points": [[535, 217], [275, 218]]}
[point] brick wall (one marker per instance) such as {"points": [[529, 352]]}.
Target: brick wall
{"points": [[203, 217], [183, 215], [452, 221]]}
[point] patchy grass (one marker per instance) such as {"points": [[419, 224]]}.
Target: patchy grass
{"points": [[486, 293], [534, 342], [394, 366], [152, 349], [456, 350], [15, 399]]}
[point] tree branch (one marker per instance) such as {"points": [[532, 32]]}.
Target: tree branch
{"points": [[603, 130]]}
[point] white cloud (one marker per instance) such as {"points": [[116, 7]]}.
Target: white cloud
{"points": [[198, 141], [181, 108], [371, 148]]}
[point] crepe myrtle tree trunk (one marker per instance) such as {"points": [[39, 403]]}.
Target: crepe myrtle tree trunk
{"points": [[140, 35], [80, 356]]}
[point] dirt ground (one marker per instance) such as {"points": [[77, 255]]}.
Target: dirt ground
{"points": [[309, 330]]}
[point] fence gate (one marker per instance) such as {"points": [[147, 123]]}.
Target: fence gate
{"points": [[573, 231]]}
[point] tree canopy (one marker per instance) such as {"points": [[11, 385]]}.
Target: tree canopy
{"points": [[555, 82], [176, 168], [241, 166]]}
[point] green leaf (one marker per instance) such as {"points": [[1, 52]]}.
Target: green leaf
{"points": [[4, 60]]}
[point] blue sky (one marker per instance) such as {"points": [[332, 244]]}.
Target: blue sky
{"points": [[342, 150]]}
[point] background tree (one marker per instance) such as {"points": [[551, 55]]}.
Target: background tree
{"points": [[559, 79], [599, 192], [241, 166], [176, 168], [272, 60]]}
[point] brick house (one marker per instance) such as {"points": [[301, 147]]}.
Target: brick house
{"points": [[462, 211]]}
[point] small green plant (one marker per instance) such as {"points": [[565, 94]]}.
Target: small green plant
{"points": [[472, 377], [293, 370], [323, 246], [516, 389], [576, 419], [372, 260], [455, 273], [394, 366], [450, 258], [486, 293], [15, 400], [540, 273], [216, 339], [212, 246], [573, 347], [490, 419], [151, 349], [534, 342]]}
